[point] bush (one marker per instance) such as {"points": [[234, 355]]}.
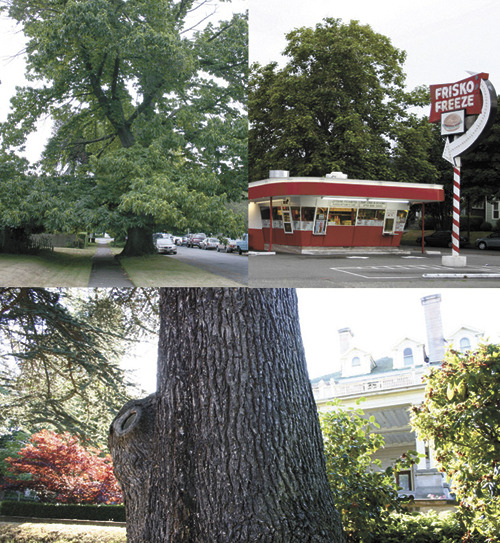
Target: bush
{"points": [[497, 225], [486, 227], [474, 222], [424, 528], [430, 223], [62, 511], [363, 493]]}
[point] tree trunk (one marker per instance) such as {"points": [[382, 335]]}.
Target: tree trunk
{"points": [[139, 242], [236, 454]]}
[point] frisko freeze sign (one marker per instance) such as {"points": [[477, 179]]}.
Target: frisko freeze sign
{"points": [[463, 95], [454, 103]]}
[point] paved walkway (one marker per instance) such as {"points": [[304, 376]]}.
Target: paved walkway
{"points": [[107, 271]]}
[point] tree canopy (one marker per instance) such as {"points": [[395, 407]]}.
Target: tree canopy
{"points": [[338, 104], [149, 117], [60, 353], [460, 416]]}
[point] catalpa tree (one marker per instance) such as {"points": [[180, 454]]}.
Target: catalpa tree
{"points": [[62, 470], [148, 114]]}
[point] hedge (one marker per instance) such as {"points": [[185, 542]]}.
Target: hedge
{"points": [[62, 511], [424, 528]]}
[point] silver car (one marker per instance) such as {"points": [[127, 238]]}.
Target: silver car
{"points": [[493, 240]]}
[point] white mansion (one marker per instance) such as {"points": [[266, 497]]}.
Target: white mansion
{"points": [[390, 386]]}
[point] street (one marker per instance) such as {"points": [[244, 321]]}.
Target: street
{"points": [[408, 269], [229, 265]]}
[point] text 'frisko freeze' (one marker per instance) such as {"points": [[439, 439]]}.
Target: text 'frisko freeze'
{"points": [[465, 94]]}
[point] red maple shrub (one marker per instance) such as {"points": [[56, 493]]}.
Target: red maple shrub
{"points": [[64, 471]]}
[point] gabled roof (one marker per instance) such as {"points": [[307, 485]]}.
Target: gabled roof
{"points": [[408, 339]]}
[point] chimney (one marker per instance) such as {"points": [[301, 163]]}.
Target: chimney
{"points": [[345, 337], [434, 326]]}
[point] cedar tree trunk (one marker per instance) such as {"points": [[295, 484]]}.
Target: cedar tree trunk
{"points": [[235, 452], [139, 242]]}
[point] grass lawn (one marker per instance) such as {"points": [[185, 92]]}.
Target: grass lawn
{"points": [[25, 532], [162, 271], [63, 267]]}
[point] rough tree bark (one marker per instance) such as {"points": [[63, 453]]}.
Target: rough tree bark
{"points": [[139, 242], [235, 454]]}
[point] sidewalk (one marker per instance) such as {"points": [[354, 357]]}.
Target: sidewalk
{"points": [[106, 270]]}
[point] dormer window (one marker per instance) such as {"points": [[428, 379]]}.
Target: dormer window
{"points": [[465, 344], [356, 361], [408, 356]]}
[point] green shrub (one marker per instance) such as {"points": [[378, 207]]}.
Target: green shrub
{"points": [[430, 223], [364, 494], [423, 528], [474, 222], [486, 227], [62, 511]]}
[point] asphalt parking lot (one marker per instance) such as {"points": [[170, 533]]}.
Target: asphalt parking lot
{"points": [[407, 269], [229, 265]]}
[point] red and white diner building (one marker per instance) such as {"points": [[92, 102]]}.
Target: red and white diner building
{"points": [[323, 214]]}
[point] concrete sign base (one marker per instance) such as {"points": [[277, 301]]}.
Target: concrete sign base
{"points": [[454, 261]]}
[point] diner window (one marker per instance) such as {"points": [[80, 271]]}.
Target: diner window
{"points": [[464, 344], [370, 217], [321, 221], [308, 214], [277, 216], [408, 356], [356, 362], [287, 220], [401, 217], [295, 213], [265, 213], [389, 225], [341, 216]]}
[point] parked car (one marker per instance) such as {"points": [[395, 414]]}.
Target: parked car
{"points": [[242, 244], [493, 240], [441, 238], [165, 244], [209, 243], [227, 244], [195, 240]]}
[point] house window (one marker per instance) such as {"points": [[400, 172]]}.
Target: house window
{"points": [[404, 481], [356, 361], [465, 344], [408, 356], [495, 210]]}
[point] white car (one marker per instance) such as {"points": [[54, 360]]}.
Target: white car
{"points": [[227, 244], [209, 243], [165, 244]]}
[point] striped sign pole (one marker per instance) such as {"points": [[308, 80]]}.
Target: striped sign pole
{"points": [[455, 240]]}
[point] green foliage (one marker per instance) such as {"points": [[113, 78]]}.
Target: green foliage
{"points": [[62, 511], [425, 528], [336, 106], [364, 494], [150, 128], [460, 416], [59, 357]]}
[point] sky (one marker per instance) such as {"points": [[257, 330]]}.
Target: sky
{"points": [[442, 39], [378, 318]]}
